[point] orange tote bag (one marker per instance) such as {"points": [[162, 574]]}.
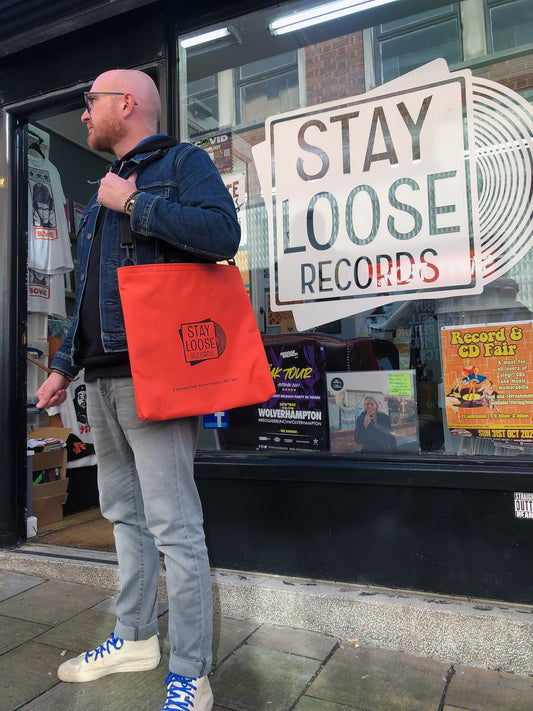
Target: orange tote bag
{"points": [[193, 340]]}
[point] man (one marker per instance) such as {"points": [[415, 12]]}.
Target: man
{"points": [[179, 210]]}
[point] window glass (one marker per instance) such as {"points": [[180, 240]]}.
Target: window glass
{"points": [[271, 95], [385, 225], [271, 64], [511, 24], [408, 43], [202, 104], [429, 17], [402, 53]]}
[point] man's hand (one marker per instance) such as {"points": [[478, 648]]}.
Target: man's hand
{"points": [[114, 191], [53, 391]]}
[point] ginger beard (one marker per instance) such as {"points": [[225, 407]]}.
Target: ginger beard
{"points": [[108, 133]]}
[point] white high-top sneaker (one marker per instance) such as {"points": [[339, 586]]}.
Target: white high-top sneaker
{"points": [[184, 692], [114, 655]]}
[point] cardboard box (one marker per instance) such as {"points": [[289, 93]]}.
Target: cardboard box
{"points": [[48, 498], [56, 457]]}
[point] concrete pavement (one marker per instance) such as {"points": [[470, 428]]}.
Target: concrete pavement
{"points": [[258, 666]]}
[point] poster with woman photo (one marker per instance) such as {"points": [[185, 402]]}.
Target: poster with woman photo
{"points": [[373, 411]]}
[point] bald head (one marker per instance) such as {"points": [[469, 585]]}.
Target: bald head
{"points": [[126, 109], [137, 83]]}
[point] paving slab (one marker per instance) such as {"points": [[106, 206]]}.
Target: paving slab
{"points": [[255, 679], [228, 634], [142, 691], [483, 690], [308, 704], [285, 639], [51, 602], [27, 672], [81, 633], [14, 583], [14, 632], [379, 680]]}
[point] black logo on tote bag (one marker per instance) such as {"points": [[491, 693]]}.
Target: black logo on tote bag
{"points": [[202, 340]]}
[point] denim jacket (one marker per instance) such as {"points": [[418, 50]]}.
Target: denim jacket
{"points": [[184, 213]]}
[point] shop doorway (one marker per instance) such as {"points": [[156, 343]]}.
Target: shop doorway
{"points": [[61, 176]]}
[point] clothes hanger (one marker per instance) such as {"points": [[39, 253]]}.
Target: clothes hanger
{"points": [[36, 144]]}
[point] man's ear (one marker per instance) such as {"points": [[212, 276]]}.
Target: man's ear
{"points": [[129, 103]]}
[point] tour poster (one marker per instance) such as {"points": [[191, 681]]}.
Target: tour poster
{"points": [[295, 417]]}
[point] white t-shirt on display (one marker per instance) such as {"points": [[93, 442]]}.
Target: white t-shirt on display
{"points": [[46, 293], [48, 233], [73, 414]]}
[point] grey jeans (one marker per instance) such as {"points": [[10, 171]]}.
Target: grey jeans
{"points": [[147, 490]]}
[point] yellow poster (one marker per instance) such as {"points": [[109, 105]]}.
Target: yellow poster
{"points": [[488, 387]]}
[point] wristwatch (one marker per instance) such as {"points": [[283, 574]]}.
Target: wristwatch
{"points": [[130, 202]]}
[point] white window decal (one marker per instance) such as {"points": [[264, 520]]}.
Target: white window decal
{"points": [[420, 188]]}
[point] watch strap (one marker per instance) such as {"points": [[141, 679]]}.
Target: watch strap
{"points": [[130, 201]]}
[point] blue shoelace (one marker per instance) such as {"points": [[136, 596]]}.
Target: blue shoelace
{"points": [[180, 694], [110, 643]]}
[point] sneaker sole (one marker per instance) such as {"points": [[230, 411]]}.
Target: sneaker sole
{"points": [[75, 676]]}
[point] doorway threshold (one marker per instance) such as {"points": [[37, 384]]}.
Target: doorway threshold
{"points": [[87, 530]]}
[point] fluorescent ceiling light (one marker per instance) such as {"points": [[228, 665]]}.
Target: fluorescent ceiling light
{"points": [[322, 13], [205, 37]]}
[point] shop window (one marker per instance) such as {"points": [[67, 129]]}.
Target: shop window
{"points": [[510, 24], [308, 105]]}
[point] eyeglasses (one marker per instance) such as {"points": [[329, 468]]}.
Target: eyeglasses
{"points": [[89, 95]]}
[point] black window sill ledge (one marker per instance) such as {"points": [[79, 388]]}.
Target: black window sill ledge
{"points": [[430, 472]]}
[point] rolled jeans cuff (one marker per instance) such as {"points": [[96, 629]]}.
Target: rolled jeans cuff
{"points": [[135, 634]]}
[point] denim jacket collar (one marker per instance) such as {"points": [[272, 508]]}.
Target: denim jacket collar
{"points": [[144, 152]]}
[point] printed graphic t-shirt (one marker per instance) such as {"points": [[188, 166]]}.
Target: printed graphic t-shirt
{"points": [[46, 293], [48, 234]]}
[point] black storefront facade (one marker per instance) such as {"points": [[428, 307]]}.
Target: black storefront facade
{"points": [[322, 135]]}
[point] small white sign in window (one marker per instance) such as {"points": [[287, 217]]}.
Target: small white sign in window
{"points": [[523, 504]]}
